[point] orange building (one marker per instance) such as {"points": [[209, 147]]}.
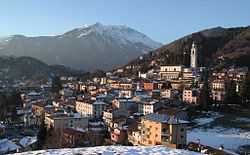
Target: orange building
{"points": [[159, 129], [150, 86], [38, 109]]}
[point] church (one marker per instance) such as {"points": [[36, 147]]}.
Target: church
{"points": [[174, 72]]}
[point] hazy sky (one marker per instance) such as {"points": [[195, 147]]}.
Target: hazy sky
{"points": [[162, 20]]}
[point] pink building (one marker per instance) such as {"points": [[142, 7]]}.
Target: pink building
{"points": [[218, 95], [119, 135], [190, 95]]}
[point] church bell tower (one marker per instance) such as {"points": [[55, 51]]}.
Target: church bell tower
{"points": [[194, 54]]}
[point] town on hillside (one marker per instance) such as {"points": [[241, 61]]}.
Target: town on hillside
{"points": [[197, 108]]}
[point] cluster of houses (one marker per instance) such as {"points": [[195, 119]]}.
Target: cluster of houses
{"points": [[142, 109], [129, 112]]}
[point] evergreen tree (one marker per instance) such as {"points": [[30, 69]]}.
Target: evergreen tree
{"points": [[42, 136], [14, 102], [166, 85], [245, 89], [204, 98], [3, 108], [98, 73], [231, 95], [194, 84], [56, 84]]}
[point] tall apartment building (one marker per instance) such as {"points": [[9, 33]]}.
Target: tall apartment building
{"points": [[91, 108], [159, 129]]}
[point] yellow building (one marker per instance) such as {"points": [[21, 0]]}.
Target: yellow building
{"points": [[121, 85], [218, 85], [159, 129]]}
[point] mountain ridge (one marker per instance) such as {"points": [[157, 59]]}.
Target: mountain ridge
{"points": [[218, 47], [16, 68], [88, 48]]}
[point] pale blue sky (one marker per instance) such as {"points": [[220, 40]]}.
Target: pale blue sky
{"points": [[162, 20]]}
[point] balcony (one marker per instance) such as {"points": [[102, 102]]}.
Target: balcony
{"points": [[165, 134], [145, 135], [165, 139], [131, 139], [145, 129]]}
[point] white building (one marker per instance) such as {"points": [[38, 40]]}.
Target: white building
{"points": [[92, 108], [149, 107], [124, 103], [194, 54], [171, 71], [169, 93], [65, 120]]}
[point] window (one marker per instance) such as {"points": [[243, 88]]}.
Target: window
{"points": [[182, 129], [156, 135], [181, 136], [156, 128], [149, 142]]}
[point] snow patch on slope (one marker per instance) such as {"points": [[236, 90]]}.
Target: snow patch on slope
{"points": [[5, 39], [122, 34]]}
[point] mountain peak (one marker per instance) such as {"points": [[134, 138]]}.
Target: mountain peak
{"points": [[98, 24], [89, 47], [86, 26], [118, 33]]}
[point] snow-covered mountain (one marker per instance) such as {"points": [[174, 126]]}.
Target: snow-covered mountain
{"points": [[115, 150], [88, 47]]}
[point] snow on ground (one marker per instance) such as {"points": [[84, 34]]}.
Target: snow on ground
{"points": [[211, 116], [241, 119], [203, 121], [231, 139], [213, 136], [115, 150]]}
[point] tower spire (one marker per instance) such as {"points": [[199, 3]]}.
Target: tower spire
{"points": [[194, 53]]}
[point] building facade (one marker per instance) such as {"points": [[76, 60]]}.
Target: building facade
{"points": [[91, 108], [158, 129], [63, 121]]}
